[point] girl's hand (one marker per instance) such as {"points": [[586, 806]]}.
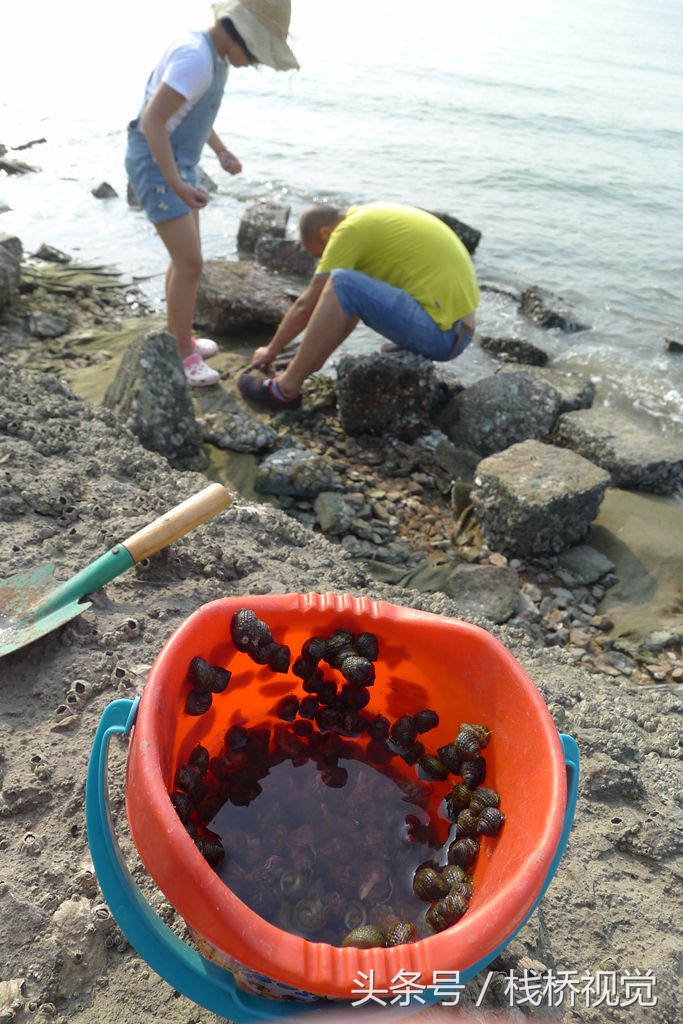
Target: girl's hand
{"points": [[193, 196], [262, 358], [229, 161]]}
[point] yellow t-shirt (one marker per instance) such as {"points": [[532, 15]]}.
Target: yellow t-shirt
{"points": [[409, 249]]}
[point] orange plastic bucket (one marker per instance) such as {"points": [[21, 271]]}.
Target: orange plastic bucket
{"points": [[425, 660]]}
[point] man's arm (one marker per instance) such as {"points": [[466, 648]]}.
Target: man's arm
{"points": [[293, 322]]}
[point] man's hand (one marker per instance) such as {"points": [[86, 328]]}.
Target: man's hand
{"points": [[229, 162], [262, 358], [193, 196]]}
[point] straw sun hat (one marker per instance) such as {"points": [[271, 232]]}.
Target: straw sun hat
{"points": [[263, 24]]}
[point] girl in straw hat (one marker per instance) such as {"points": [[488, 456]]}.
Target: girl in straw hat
{"points": [[182, 98]]}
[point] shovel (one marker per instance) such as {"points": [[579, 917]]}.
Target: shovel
{"points": [[34, 603]]}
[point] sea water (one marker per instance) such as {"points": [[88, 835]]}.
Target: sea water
{"points": [[554, 128]]}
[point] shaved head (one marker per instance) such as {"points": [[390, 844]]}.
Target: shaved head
{"points": [[316, 217]]}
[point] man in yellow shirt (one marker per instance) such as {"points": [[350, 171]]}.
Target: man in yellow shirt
{"points": [[400, 270]]}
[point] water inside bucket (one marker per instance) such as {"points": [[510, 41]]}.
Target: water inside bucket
{"points": [[320, 860]]}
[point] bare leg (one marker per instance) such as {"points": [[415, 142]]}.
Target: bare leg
{"points": [[181, 238], [326, 330]]}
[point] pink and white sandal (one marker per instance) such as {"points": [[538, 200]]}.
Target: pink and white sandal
{"points": [[198, 374], [205, 347]]}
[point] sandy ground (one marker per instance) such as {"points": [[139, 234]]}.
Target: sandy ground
{"points": [[72, 482]]}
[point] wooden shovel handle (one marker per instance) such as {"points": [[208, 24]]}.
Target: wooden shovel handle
{"points": [[179, 521]]}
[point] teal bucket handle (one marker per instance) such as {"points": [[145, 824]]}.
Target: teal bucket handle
{"points": [[185, 969]]}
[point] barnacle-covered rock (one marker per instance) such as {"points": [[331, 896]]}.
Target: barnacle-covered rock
{"points": [[473, 771], [490, 821], [463, 852], [428, 884], [365, 937], [367, 646], [401, 933]]}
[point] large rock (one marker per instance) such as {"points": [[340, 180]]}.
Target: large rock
{"points": [[225, 423], [501, 410], [549, 310], [575, 391], [149, 394], [513, 350], [295, 472], [488, 590], [535, 499], [12, 243], [284, 256], [469, 237], [386, 393], [10, 275], [635, 456], [237, 293], [262, 218]]}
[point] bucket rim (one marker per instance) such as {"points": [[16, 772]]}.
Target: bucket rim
{"points": [[318, 967]]}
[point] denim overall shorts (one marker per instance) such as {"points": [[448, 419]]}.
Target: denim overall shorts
{"points": [[157, 198]]}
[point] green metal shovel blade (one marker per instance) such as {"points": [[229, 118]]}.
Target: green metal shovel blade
{"points": [[33, 603]]}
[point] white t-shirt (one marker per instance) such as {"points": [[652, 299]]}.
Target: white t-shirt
{"points": [[187, 67]]}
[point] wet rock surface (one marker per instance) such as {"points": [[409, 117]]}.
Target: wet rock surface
{"points": [[501, 410], [385, 393], [470, 237], [575, 391], [284, 256], [297, 473], [225, 422], [514, 350], [634, 456], [549, 310], [616, 901], [263, 218], [238, 293]]}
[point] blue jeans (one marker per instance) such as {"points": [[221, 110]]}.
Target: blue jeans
{"points": [[396, 315]]}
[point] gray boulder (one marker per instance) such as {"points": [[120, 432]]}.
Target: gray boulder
{"points": [[488, 590], [674, 345], [104, 191], [284, 256], [333, 512], [295, 472], [237, 293], [585, 564], [636, 457], [501, 410], [385, 393], [513, 350], [576, 392], [10, 275], [535, 499], [549, 310], [12, 243], [225, 423], [149, 394], [262, 218], [51, 255], [469, 237], [46, 325]]}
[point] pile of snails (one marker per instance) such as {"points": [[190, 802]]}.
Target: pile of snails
{"points": [[303, 861]]}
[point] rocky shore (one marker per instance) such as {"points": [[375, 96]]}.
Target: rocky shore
{"points": [[412, 515]]}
